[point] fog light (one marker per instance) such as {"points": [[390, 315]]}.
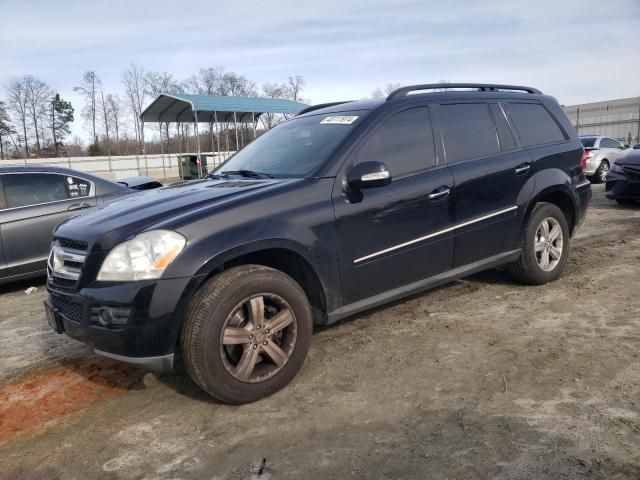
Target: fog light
{"points": [[105, 318], [110, 317]]}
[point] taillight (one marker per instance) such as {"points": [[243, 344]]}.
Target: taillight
{"points": [[586, 155]]}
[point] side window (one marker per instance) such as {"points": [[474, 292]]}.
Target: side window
{"points": [[534, 124], [77, 187], [23, 189], [468, 131], [404, 142], [507, 142], [609, 143]]}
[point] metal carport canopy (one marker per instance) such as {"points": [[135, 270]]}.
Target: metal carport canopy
{"points": [[184, 107]]}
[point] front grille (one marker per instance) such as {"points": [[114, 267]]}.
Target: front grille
{"points": [[65, 263], [72, 244], [67, 308]]}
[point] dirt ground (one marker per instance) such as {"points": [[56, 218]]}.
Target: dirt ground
{"points": [[482, 378]]}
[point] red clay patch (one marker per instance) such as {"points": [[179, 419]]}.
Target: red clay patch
{"points": [[46, 398]]}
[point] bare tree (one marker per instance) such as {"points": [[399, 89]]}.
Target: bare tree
{"points": [[388, 88], [18, 101], [291, 89], [295, 85], [133, 79], [114, 108], [207, 81], [90, 89], [236, 85], [105, 116], [38, 97], [273, 90]]}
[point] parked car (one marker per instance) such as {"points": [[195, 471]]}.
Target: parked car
{"points": [[33, 200], [340, 209], [623, 182], [140, 183], [600, 153]]}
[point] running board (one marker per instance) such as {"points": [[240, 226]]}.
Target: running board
{"points": [[421, 285]]}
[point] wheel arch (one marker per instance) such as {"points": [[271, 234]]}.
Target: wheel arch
{"points": [[559, 195], [285, 256]]}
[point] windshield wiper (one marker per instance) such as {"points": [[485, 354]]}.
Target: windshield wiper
{"points": [[246, 173]]}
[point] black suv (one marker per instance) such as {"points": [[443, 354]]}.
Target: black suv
{"points": [[342, 208]]}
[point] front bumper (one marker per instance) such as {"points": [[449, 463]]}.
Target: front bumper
{"points": [[142, 319], [623, 186]]}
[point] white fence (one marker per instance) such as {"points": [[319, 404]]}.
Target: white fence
{"points": [[162, 167]]}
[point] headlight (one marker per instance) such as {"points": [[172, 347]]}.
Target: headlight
{"points": [[617, 169], [143, 257]]}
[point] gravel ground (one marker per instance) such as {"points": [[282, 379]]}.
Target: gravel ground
{"points": [[482, 378]]}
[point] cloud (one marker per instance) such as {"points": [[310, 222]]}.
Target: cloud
{"points": [[577, 51]]}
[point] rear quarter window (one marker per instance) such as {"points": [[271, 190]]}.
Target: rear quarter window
{"points": [[534, 124]]}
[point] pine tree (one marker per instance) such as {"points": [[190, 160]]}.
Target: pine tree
{"points": [[61, 117], [5, 128]]}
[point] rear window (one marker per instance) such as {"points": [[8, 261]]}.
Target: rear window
{"points": [[468, 131], [588, 142], [534, 124]]}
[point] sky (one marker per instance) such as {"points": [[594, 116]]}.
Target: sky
{"points": [[577, 51]]}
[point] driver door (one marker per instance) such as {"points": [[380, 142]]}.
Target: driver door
{"points": [[393, 235]]}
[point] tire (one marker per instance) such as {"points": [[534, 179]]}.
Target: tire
{"points": [[600, 175], [625, 201], [227, 309], [529, 267]]}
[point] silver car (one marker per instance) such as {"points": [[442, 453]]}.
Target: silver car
{"points": [[600, 153]]}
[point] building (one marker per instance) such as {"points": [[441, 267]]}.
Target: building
{"points": [[619, 119]]}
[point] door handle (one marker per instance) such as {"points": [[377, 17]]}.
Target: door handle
{"points": [[440, 192], [78, 206], [523, 168]]}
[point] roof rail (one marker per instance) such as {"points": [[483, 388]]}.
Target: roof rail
{"points": [[481, 87], [319, 106]]}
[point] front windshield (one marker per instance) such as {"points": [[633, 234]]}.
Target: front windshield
{"points": [[295, 148]]}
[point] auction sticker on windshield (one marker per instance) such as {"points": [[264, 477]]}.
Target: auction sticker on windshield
{"points": [[340, 120]]}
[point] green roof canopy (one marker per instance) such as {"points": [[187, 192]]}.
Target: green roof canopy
{"points": [[183, 107]]}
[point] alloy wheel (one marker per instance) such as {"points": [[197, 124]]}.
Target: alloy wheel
{"points": [[258, 338], [604, 171], [548, 244]]}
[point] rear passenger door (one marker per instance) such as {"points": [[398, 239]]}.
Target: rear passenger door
{"points": [[492, 179], [35, 204]]}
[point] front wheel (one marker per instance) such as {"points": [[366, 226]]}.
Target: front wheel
{"points": [[247, 333], [545, 246]]}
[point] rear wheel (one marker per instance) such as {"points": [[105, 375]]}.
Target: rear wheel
{"points": [[545, 246], [247, 333], [600, 175]]}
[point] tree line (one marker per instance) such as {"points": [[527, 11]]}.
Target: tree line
{"points": [[35, 121]]}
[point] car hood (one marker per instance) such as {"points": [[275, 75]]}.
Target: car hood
{"points": [[107, 225], [629, 157]]}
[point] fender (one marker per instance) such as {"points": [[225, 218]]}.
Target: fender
{"points": [[550, 181], [324, 266]]}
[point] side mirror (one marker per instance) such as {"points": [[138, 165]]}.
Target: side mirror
{"points": [[368, 175]]}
